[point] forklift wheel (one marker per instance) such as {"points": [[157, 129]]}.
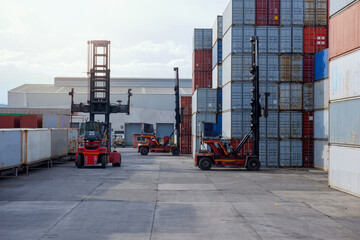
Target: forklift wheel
{"points": [[103, 161], [123, 145], [205, 164], [175, 151], [79, 161], [144, 151], [253, 164]]}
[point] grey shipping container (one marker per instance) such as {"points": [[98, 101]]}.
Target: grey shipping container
{"points": [[290, 125], [336, 6], [269, 67], [237, 40], [269, 127], [321, 154], [236, 124], [292, 12], [291, 68], [268, 39], [50, 121], [321, 124], [290, 153], [290, 96], [321, 94], [10, 148], [272, 157], [308, 97], [59, 142], [344, 122], [236, 68], [291, 40], [285, 40], [196, 120], [297, 40], [217, 29], [202, 39], [239, 12], [204, 100]]}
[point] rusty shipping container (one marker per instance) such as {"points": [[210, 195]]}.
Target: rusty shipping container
{"points": [[9, 121], [343, 40]]}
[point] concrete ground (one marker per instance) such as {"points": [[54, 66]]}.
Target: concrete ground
{"points": [[164, 197]]}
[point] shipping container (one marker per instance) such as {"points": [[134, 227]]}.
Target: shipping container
{"points": [[235, 124], [185, 144], [197, 145], [50, 121], [64, 121], [308, 97], [344, 172], [321, 94], [9, 121], [36, 146], [308, 124], [272, 153], [73, 136], [291, 40], [30, 121], [345, 77], [269, 127], [322, 65], [322, 12], [285, 40], [202, 79], [197, 121], [310, 12], [321, 124], [344, 122], [308, 153], [262, 12], [218, 125], [290, 125], [290, 96], [297, 36], [10, 148], [204, 100], [185, 126], [237, 40], [291, 12], [202, 39], [321, 154], [336, 6], [308, 68], [315, 39], [202, 60], [290, 153], [291, 68], [217, 77], [217, 53], [246, 149], [217, 30], [236, 68], [268, 39], [186, 104], [239, 12], [59, 142]]}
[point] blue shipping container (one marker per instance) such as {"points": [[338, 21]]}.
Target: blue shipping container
{"points": [[219, 99], [217, 53], [322, 65], [218, 125]]}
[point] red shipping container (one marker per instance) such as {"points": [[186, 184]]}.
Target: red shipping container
{"points": [[261, 12], [185, 144], [202, 60], [308, 153], [186, 104], [309, 68], [9, 121], [202, 79], [344, 31], [247, 148], [185, 126], [315, 39], [274, 12], [308, 124], [31, 121]]}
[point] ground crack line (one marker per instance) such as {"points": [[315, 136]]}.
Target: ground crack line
{"points": [[67, 214], [156, 203]]}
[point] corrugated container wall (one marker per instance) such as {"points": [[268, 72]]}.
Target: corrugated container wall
{"points": [[11, 145], [267, 12], [344, 39], [338, 5], [204, 100], [322, 64], [202, 39], [239, 12], [217, 30], [291, 12], [9, 121]]}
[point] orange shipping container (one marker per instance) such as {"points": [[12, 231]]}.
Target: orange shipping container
{"points": [[344, 31]]}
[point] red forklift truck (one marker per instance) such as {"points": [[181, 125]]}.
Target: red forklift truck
{"points": [[218, 154], [95, 146], [152, 144]]}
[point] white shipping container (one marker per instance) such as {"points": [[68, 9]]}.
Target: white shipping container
{"points": [[321, 124], [73, 136], [59, 142], [321, 94], [344, 169], [338, 5], [217, 77], [217, 29], [10, 148], [345, 76], [36, 145], [321, 154], [204, 100]]}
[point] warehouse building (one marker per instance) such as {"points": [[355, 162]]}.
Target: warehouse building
{"points": [[153, 101]]}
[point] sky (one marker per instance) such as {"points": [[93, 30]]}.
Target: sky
{"points": [[43, 39]]}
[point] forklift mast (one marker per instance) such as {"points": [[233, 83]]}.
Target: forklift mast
{"points": [[177, 106]]}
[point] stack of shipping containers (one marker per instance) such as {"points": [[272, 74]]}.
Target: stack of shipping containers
{"points": [[217, 71], [185, 126], [321, 110], [344, 127]]}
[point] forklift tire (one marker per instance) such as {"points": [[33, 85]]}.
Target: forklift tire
{"points": [[144, 151], [253, 164], [103, 161], [205, 164], [175, 151], [123, 145], [79, 161]]}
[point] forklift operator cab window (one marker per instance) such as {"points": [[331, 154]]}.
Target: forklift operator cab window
{"points": [[92, 126]]}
